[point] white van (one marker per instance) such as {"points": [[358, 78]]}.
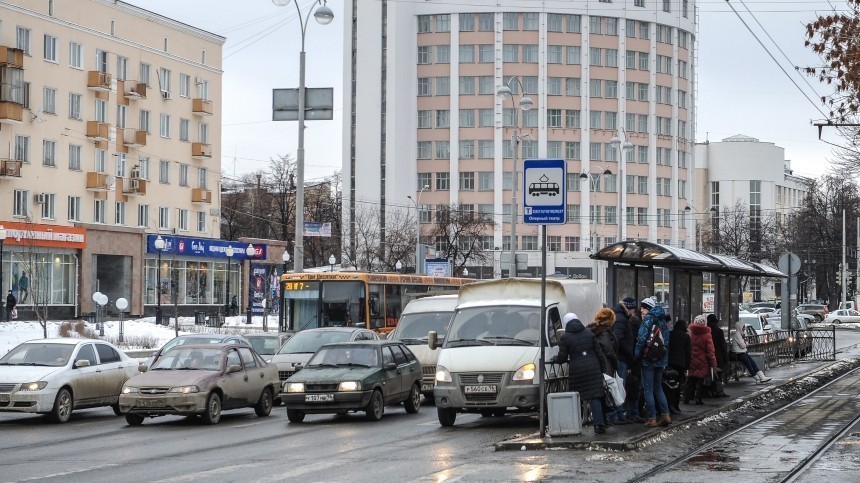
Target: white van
{"points": [[419, 317], [491, 352]]}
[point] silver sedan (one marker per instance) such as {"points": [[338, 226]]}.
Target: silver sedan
{"points": [[57, 376]]}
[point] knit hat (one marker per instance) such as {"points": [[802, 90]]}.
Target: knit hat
{"points": [[648, 303], [568, 317], [700, 319], [604, 317], [629, 302]]}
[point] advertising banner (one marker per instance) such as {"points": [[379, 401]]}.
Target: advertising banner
{"points": [[317, 229], [203, 247]]}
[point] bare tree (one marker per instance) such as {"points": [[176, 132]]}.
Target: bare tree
{"points": [[836, 39], [37, 265], [458, 234]]}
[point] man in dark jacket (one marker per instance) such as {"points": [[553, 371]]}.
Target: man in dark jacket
{"points": [[11, 302], [585, 368], [625, 339]]}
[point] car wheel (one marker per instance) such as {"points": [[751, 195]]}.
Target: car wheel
{"points": [[295, 416], [818, 318], [116, 410], [63, 405], [837, 321], [413, 403], [374, 407], [134, 419], [446, 416], [213, 409], [264, 405]]}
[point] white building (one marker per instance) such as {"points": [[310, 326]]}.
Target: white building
{"points": [[424, 111]]}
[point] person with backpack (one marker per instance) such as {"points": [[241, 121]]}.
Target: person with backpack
{"points": [[652, 351]]}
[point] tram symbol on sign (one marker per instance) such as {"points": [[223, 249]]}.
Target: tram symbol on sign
{"points": [[544, 187]]}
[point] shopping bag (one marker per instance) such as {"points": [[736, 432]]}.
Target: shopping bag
{"points": [[14, 313], [615, 390]]}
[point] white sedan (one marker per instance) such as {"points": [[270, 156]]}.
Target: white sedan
{"points": [[57, 376], [842, 316]]}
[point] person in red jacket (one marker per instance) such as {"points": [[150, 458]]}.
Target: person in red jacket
{"points": [[702, 360]]}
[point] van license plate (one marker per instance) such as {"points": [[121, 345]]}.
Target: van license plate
{"points": [[319, 397], [427, 387], [479, 389]]}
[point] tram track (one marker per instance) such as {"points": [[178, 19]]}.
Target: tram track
{"points": [[778, 446]]}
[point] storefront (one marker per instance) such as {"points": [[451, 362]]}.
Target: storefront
{"points": [[40, 267], [196, 274]]}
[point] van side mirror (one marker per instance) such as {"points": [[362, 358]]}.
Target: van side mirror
{"points": [[558, 334], [383, 336], [432, 340]]}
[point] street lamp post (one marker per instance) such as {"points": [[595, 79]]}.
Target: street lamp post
{"points": [[525, 103], [2, 293], [417, 202], [229, 252], [625, 146], [159, 246], [592, 218], [281, 306], [331, 262], [323, 15], [249, 252], [698, 232]]}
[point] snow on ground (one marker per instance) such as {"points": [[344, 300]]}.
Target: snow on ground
{"points": [[134, 330]]}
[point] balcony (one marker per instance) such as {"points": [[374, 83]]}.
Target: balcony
{"points": [[133, 138], [134, 89], [201, 195], [98, 131], [134, 187], [11, 112], [98, 181], [10, 168], [201, 150], [98, 81], [11, 57], [201, 107]]}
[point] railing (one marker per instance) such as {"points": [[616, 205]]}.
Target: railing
{"points": [[784, 346]]}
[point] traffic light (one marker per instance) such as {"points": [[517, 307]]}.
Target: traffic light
{"points": [[839, 277]]}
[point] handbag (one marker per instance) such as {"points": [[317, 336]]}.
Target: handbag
{"points": [[614, 388], [14, 313]]}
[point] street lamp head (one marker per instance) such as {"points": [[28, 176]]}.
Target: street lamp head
{"points": [[607, 172], [505, 92], [688, 208], [627, 146], [286, 256], [250, 251], [159, 243], [526, 103], [324, 15], [398, 265], [331, 260], [281, 3], [426, 187], [229, 251], [465, 272], [615, 142], [583, 175]]}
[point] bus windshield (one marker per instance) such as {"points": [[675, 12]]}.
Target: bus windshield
{"points": [[413, 328], [330, 303], [512, 325]]}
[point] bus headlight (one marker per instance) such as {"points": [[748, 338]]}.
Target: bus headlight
{"points": [[525, 373], [442, 374]]}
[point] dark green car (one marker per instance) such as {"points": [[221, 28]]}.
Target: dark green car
{"points": [[355, 376]]}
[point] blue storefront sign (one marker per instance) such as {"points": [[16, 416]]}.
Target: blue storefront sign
{"points": [[204, 247]]}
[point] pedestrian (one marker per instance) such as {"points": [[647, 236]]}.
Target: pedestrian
{"points": [[703, 362], [635, 401], [739, 349], [652, 371], [679, 363], [585, 368], [24, 287], [625, 343], [11, 302], [721, 350], [602, 327]]}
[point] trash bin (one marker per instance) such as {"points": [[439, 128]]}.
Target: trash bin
{"points": [[248, 316], [199, 318], [564, 413], [216, 319]]}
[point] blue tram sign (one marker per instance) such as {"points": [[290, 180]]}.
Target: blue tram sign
{"points": [[544, 192]]}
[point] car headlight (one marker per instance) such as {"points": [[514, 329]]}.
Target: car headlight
{"points": [[442, 374], [349, 386], [525, 373], [34, 386], [129, 390], [295, 387], [184, 389]]}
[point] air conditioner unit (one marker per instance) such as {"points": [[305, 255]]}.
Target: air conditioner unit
{"points": [[135, 184], [40, 198], [198, 80], [165, 94], [135, 173]]}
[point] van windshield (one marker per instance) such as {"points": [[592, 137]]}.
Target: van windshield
{"points": [[753, 321], [412, 329], [512, 325]]}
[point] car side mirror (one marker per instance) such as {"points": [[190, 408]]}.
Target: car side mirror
{"points": [[432, 340], [142, 367], [234, 368], [82, 363], [390, 366]]}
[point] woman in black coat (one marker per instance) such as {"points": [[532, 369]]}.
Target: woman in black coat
{"points": [[721, 350], [680, 353], [585, 368]]}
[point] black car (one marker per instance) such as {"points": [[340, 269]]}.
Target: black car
{"points": [[355, 376], [196, 339]]}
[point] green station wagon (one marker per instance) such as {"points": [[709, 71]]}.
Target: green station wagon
{"points": [[355, 376]]}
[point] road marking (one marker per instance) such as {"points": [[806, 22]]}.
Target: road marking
{"points": [[255, 423], [301, 470], [220, 472], [71, 472]]}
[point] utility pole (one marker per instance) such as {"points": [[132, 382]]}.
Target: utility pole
{"points": [[842, 268]]}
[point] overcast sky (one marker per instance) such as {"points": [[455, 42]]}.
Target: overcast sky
{"points": [[741, 89]]}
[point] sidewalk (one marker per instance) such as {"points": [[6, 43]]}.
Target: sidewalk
{"points": [[632, 436]]}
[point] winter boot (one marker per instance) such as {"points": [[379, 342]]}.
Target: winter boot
{"points": [[665, 420], [761, 378], [651, 423]]}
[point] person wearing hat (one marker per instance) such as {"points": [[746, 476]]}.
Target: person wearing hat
{"points": [[739, 348], [585, 369], [11, 302], [624, 342], [652, 371], [702, 361]]}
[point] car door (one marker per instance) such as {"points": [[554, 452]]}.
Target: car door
{"points": [[406, 370], [235, 385], [113, 372], [255, 373], [391, 385], [86, 381]]}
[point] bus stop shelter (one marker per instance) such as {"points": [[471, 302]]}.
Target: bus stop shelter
{"points": [[631, 274]]}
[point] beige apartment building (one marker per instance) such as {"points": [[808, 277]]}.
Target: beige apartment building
{"points": [[110, 126]]}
